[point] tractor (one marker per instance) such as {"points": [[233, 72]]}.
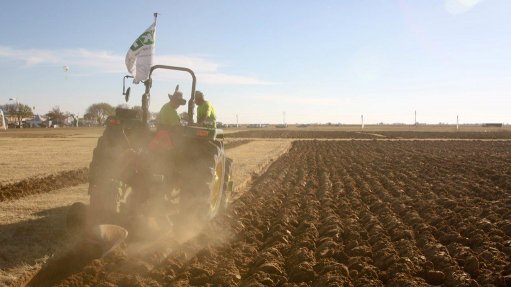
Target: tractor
{"points": [[144, 179]]}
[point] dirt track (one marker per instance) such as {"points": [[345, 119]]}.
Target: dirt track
{"points": [[348, 214]]}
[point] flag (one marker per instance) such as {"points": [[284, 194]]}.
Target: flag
{"points": [[139, 58]]}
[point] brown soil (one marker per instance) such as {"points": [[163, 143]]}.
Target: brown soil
{"points": [[297, 134], [43, 184], [446, 135], [346, 214]]}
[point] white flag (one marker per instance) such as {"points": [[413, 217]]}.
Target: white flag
{"points": [[139, 58]]}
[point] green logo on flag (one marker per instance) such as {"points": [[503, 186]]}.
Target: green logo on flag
{"points": [[147, 38]]}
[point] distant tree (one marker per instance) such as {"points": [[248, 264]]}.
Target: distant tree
{"points": [[9, 109], [99, 112], [88, 117], [20, 111], [57, 116], [75, 119]]}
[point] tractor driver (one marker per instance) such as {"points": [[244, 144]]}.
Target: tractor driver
{"points": [[168, 120], [205, 111], [168, 113]]}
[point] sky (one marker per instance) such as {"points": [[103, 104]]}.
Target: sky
{"points": [[312, 61]]}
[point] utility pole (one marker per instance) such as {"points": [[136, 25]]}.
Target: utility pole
{"points": [[284, 118], [237, 121], [362, 120], [415, 122], [457, 123]]}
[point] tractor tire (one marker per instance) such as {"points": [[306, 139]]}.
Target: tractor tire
{"points": [[104, 184], [228, 184], [203, 189]]}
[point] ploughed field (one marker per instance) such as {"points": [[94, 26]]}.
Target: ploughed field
{"points": [[371, 134], [347, 213]]}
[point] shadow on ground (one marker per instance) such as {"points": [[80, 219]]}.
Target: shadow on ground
{"points": [[29, 242]]}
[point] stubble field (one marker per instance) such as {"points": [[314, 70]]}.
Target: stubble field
{"points": [[369, 212]]}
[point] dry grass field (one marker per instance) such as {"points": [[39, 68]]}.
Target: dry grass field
{"points": [[375, 208], [252, 159], [40, 152]]}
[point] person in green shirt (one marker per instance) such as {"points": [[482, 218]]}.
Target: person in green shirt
{"points": [[206, 114], [168, 114]]}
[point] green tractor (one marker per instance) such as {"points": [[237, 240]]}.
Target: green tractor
{"points": [[144, 178]]}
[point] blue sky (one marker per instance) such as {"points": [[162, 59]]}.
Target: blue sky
{"points": [[317, 61]]}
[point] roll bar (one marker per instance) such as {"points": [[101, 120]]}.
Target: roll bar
{"points": [[148, 84]]}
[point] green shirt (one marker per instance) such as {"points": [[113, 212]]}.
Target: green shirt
{"points": [[168, 116], [206, 113]]}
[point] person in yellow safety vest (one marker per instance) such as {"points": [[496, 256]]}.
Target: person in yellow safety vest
{"points": [[168, 114], [206, 114]]}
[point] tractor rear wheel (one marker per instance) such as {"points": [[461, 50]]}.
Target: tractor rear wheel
{"points": [[228, 183], [104, 184], [203, 191]]}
